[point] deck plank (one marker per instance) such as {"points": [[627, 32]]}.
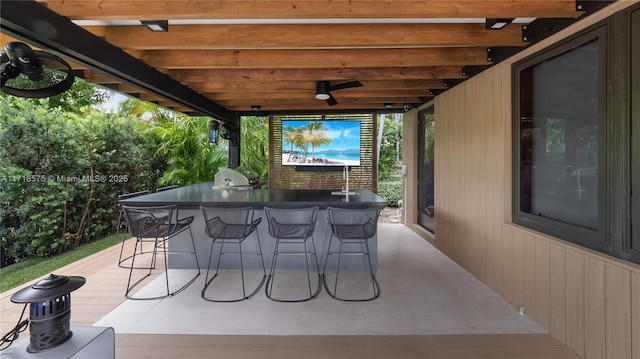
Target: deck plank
{"points": [[104, 291], [523, 346]]}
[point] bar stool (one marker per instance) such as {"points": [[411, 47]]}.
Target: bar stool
{"points": [[122, 219], [158, 225], [352, 227], [231, 226], [293, 227]]}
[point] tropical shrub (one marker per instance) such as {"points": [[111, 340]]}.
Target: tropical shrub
{"points": [[391, 191], [391, 147], [254, 146], [184, 142], [61, 172]]}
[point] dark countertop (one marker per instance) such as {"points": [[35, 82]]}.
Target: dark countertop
{"points": [[204, 194]]}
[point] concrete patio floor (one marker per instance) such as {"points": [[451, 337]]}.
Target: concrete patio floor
{"points": [[427, 302]]}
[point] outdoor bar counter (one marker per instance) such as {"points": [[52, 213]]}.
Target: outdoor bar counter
{"points": [[189, 199]]}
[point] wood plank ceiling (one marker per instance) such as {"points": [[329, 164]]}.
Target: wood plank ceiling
{"points": [[244, 53]]}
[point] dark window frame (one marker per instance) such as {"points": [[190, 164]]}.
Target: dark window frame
{"points": [[617, 115], [427, 222], [591, 238], [631, 247]]}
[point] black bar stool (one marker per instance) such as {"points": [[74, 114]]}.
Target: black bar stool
{"points": [[231, 226], [292, 228], [158, 225], [122, 219], [352, 227]]}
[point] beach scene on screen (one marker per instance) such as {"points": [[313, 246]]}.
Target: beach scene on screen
{"points": [[320, 143]]}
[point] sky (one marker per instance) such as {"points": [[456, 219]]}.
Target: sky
{"points": [[344, 134], [114, 102]]}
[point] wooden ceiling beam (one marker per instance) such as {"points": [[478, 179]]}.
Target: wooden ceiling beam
{"points": [[315, 106], [351, 94], [327, 36], [145, 96], [316, 74], [291, 85], [172, 106], [340, 99], [128, 89], [308, 9], [99, 77], [194, 59]]}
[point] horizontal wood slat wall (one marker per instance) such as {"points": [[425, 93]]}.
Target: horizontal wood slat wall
{"points": [[360, 177], [586, 299]]}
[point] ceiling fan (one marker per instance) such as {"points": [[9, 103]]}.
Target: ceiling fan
{"points": [[323, 90], [33, 74]]}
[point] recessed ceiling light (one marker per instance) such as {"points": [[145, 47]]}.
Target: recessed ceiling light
{"points": [[156, 25]]}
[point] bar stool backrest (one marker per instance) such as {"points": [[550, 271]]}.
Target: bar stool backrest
{"points": [[127, 196], [291, 223], [353, 223], [150, 221]]}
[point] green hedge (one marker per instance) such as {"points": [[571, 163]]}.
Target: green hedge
{"points": [[62, 168], [391, 191], [61, 173]]}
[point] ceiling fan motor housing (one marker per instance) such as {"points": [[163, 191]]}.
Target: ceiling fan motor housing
{"points": [[322, 90], [25, 59]]}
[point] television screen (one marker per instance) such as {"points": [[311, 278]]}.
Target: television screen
{"points": [[320, 143]]}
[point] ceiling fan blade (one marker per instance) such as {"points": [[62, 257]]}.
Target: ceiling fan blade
{"points": [[332, 100], [345, 85]]}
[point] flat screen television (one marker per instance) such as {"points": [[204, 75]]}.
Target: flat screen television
{"points": [[321, 143]]}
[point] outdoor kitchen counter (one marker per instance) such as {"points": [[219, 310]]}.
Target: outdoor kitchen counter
{"points": [[205, 194], [189, 199]]}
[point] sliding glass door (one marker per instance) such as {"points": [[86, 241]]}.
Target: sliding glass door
{"points": [[426, 203]]}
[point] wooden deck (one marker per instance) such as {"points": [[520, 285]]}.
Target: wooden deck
{"points": [[104, 291]]}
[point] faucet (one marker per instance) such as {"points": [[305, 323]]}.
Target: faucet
{"points": [[345, 189], [345, 176], [227, 182]]}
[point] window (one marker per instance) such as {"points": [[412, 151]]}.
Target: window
{"points": [[634, 245], [426, 202], [576, 138], [560, 142]]}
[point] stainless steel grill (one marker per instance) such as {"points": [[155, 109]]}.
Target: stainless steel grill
{"points": [[239, 177]]}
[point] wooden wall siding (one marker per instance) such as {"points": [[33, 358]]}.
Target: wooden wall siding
{"points": [[588, 300], [364, 176]]}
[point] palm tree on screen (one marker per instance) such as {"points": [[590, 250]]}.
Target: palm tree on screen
{"points": [[317, 136], [292, 137]]}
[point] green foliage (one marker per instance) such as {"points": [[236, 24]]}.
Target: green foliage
{"points": [[184, 142], [61, 173], [79, 96], [391, 191], [254, 145], [391, 146]]}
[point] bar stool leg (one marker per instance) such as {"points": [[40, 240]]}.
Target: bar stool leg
{"points": [[308, 265], [271, 279], [374, 281], [242, 274], [368, 265]]}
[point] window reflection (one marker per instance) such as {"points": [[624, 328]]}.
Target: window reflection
{"points": [[426, 201], [559, 137]]}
